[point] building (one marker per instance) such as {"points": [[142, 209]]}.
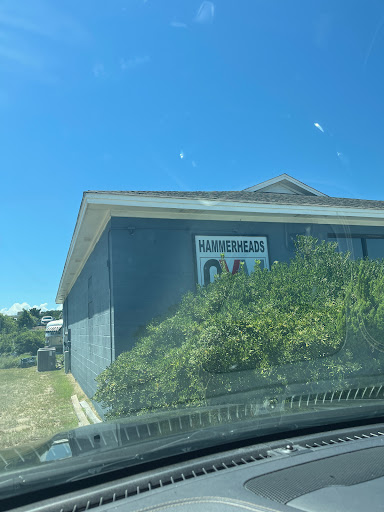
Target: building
{"points": [[134, 254]]}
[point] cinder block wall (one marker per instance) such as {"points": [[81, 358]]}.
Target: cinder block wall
{"points": [[141, 267], [154, 264], [88, 314], [154, 261]]}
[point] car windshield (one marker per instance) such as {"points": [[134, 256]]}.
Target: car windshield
{"points": [[205, 262]]}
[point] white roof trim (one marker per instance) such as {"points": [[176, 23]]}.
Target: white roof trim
{"points": [[285, 177], [97, 209]]}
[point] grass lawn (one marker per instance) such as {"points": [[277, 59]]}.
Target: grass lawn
{"points": [[35, 405]]}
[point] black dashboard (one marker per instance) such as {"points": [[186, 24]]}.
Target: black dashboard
{"points": [[341, 470]]}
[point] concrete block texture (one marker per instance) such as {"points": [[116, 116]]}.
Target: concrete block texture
{"points": [[87, 313], [141, 267]]}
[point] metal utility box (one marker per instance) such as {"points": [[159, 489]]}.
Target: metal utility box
{"points": [[67, 361], [46, 359]]}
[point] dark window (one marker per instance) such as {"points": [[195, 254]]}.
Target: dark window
{"points": [[359, 246], [375, 247], [348, 244]]}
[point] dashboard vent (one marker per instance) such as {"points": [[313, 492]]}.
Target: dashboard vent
{"points": [[145, 484], [320, 442]]}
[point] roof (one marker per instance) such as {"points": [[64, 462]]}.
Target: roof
{"points": [[54, 325], [285, 184], [297, 203], [245, 196]]}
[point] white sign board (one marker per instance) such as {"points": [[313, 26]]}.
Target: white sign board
{"points": [[236, 249]]}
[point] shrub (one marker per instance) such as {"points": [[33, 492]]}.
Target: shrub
{"points": [[7, 343], [7, 324], [245, 333], [11, 361], [29, 341], [25, 319]]}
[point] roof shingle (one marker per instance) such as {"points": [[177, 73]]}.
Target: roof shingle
{"points": [[256, 198]]}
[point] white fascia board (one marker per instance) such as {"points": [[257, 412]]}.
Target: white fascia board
{"points": [[79, 221], [249, 217], [87, 233], [191, 205], [71, 247]]}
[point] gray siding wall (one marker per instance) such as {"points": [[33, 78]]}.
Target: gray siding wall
{"points": [[88, 314]]}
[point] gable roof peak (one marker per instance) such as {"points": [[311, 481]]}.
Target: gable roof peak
{"points": [[285, 184]]}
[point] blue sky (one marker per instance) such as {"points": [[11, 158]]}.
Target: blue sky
{"points": [[106, 95]]}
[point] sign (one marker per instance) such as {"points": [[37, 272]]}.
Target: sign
{"points": [[236, 250]]}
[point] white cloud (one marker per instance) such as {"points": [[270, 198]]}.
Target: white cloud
{"points": [[319, 127], [205, 13], [43, 307], [17, 307], [59, 307], [133, 62], [178, 24]]}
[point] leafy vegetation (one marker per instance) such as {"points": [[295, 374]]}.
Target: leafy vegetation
{"points": [[17, 338], [11, 361], [55, 313], [25, 320], [302, 321]]}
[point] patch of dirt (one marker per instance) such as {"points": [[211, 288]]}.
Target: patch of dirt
{"points": [[21, 419], [19, 428]]}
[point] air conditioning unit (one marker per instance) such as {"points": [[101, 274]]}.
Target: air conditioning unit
{"points": [[46, 359]]}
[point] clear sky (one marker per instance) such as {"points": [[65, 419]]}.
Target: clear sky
{"points": [[176, 95]]}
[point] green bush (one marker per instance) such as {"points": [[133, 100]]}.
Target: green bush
{"points": [[7, 343], [16, 338], [20, 342], [27, 341], [8, 329], [7, 324], [243, 333], [25, 319], [11, 361]]}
